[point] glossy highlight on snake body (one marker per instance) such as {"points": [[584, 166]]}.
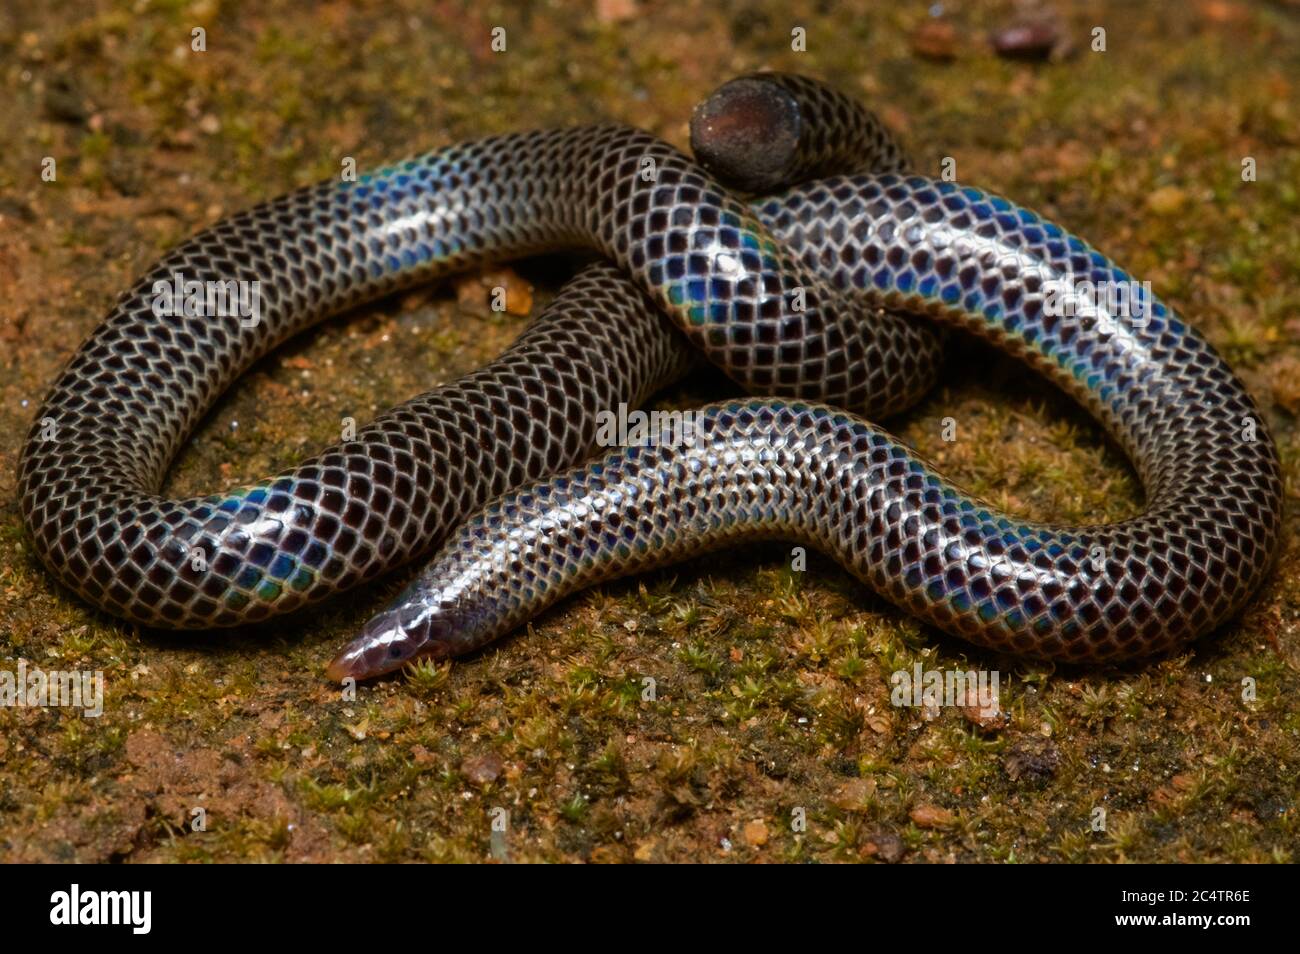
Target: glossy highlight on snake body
{"points": [[763, 469], [98, 449], [727, 275]]}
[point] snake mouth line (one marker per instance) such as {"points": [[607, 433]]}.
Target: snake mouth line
{"points": [[388, 642]]}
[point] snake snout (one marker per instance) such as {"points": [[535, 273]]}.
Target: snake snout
{"points": [[391, 639]]}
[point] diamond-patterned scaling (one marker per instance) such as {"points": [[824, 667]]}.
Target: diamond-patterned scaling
{"points": [[98, 449], [356, 509], [785, 294], [811, 473]]}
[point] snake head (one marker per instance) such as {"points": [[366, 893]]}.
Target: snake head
{"points": [[419, 624]]}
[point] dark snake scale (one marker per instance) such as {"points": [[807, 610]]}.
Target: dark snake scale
{"points": [[810, 295]]}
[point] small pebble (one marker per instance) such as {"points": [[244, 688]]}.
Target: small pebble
{"points": [[935, 40], [1218, 11], [852, 796], [615, 11], [477, 293], [885, 846], [931, 816], [991, 717], [1026, 40], [1034, 760], [1167, 200], [483, 769]]}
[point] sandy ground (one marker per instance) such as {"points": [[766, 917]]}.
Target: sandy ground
{"points": [[771, 736]]}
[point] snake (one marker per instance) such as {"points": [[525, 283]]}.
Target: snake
{"points": [[829, 296], [101, 442]]}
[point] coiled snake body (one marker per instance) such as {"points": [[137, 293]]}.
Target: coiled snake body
{"points": [[784, 294]]}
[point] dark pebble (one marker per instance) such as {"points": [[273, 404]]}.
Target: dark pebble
{"points": [[1029, 40], [1031, 761]]}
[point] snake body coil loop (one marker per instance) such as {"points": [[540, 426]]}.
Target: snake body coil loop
{"points": [[785, 294]]}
